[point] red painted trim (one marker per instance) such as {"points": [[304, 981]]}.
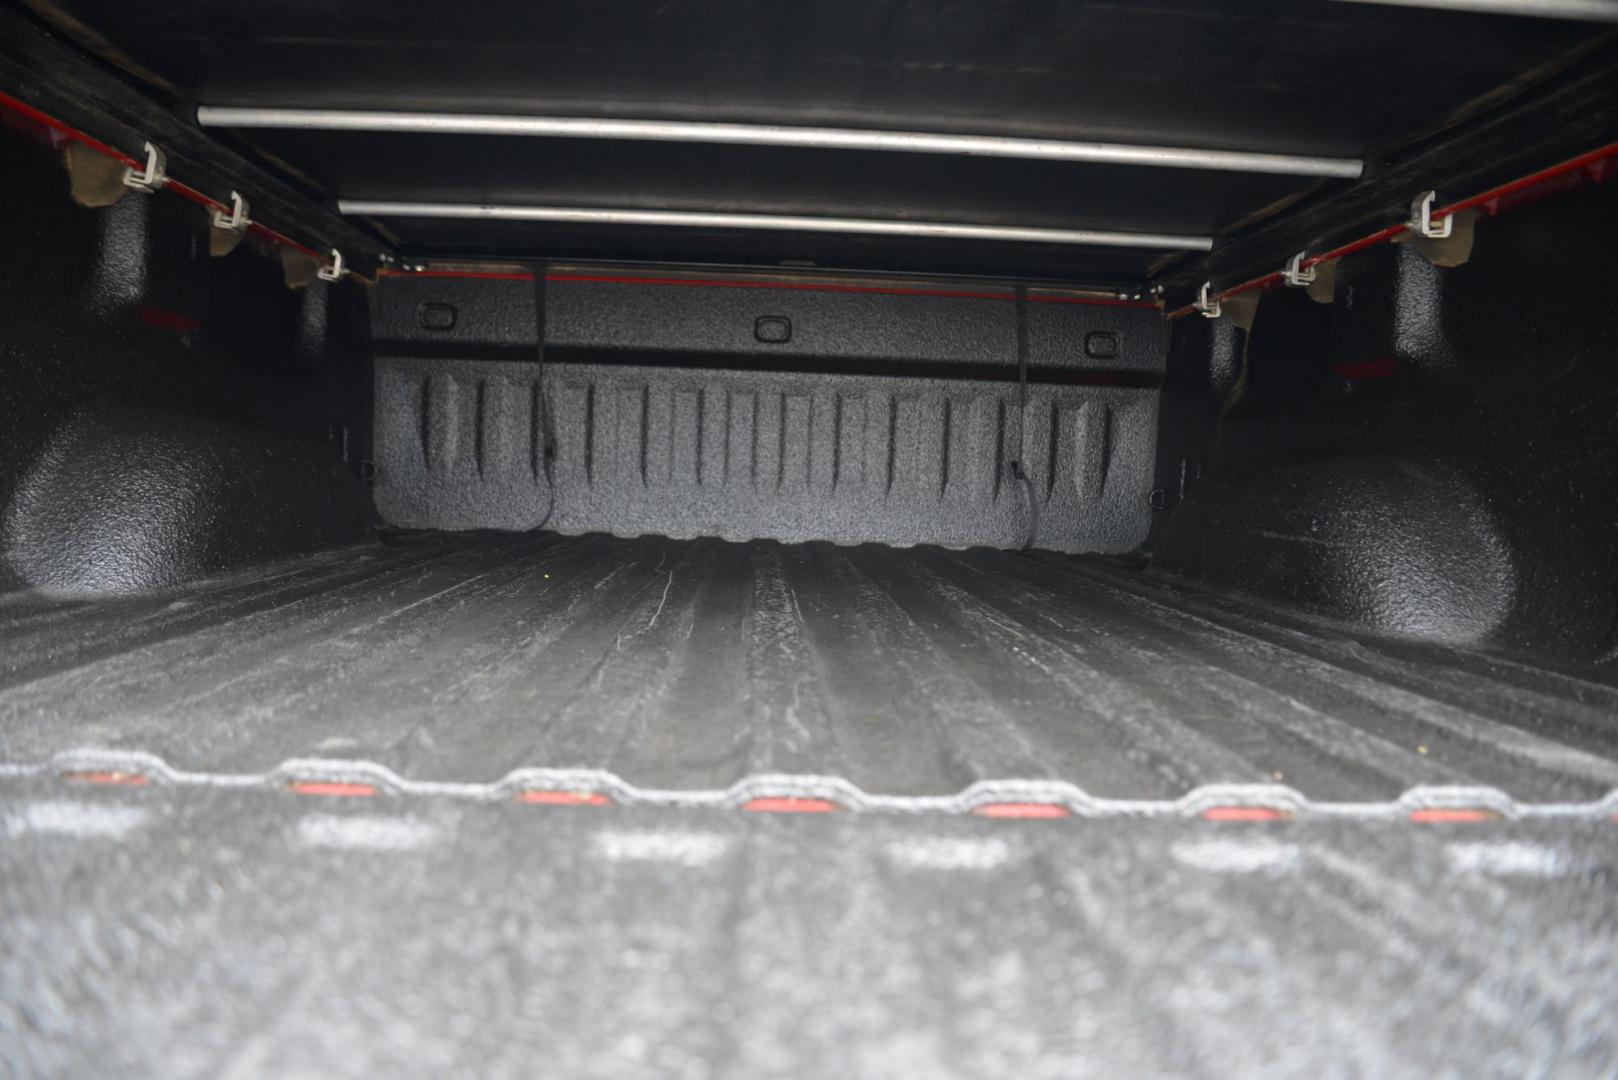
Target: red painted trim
{"points": [[789, 286], [1493, 195], [1022, 810], [107, 776], [564, 798], [185, 191], [788, 804], [164, 319], [28, 111], [1515, 187], [470, 275], [1381, 236], [1380, 367], [742, 283], [191, 193], [1453, 816], [332, 788], [1243, 813]]}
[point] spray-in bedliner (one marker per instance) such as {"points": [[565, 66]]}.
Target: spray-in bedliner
{"points": [[694, 666], [205, 932]]}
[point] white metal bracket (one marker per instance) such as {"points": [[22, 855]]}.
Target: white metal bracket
{"points": [[153, 176], [335, 271], [1421, 218], [237, 219], [1295, 275], [1208, 307]]}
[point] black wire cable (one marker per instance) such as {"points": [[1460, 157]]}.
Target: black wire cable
{"points": [[547, 430], [1018, 473]]}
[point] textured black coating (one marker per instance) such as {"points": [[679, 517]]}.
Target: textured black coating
{"points": [[194, 933], [1426, 454], [199, 931], [882, 417], [1404, 545], [751, 454], [165, 413], [832, 319], [825, 324], [122, 501], [695, 665]]}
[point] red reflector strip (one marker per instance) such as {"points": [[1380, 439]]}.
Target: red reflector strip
{"points": [[163, 319], [1243, 813], [564, 798], [1453, 816], [1383, 367], [95, 776], [334, 788], [790, 805], [1022, 810]]}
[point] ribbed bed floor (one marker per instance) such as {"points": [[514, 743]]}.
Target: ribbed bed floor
{"points": [[210, 922], [695, 665], [196, 932]]}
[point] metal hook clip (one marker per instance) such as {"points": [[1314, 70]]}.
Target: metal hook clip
{"points": [[1207, 307], [1421, 218], [335, 271], [237, 219], [1295, 275], [153, 176]]}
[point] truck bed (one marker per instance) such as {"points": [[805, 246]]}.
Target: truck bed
{"points": [[647, 666]]}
